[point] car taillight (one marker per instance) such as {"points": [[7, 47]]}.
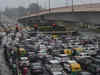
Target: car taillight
{"points": [[98, 70]]}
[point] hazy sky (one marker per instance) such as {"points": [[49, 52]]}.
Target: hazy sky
{"points": [[43, 3]]}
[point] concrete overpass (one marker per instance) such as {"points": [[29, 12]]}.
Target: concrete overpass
{"points": [[86, 13]]}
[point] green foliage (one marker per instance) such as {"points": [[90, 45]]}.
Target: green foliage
{"points": [[50, 28], [45, 28], [21, 11]]}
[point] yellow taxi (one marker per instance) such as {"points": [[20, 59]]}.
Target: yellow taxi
{"points": [[22, 51], [54, 36], [68, 51], [79, 49], [75, 67]]}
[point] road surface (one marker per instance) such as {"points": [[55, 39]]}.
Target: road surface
{"points": [[4, 70]]}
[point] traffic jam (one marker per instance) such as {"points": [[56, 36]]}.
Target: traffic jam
{"points": [[33, 52]]}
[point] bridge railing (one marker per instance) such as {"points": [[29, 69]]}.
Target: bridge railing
{"points": [[77, 8]]}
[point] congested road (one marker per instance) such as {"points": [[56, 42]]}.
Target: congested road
{"points": [[4, 69], [29, 52]]}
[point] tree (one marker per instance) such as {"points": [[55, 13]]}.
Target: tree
{"points": [[21, 11], [33, 8]]}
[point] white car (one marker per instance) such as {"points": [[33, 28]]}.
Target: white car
{"points": [[67, 65], [42, 46], [24, 60], [84, 54], [62, 58], [58, 73], [91, 52], [55, 68]]}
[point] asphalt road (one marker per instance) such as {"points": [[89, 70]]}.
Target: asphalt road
{"points": [[4, 70]]}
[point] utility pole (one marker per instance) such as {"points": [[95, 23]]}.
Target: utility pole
{"points": [[70, 3], [38, 9], [49, 6], [72, 6], [0, 18]]}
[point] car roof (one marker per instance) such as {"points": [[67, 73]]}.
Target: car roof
{"points": [[57, 73], [62, 55], [24, 58], [71, 61], [54, 61], [85, 73]]}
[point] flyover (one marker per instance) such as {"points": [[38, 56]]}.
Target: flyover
{"points": [[86, 13]]}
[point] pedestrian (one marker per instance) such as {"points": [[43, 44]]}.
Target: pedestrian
{"points": [[50, 51], [17, 28], [14, 69], [25, 71]]}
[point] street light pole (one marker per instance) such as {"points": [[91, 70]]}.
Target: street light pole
{"points": [[49, 7], [38, 9], [0, 17], [72, 6]]}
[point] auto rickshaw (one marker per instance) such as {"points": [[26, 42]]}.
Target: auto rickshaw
{"points": [[68, 51], [71, 52], [22, 51], [75, 68], [72, 67], [54, 36], [79, 49]]}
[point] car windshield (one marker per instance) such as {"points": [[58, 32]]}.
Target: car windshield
{"points": [[56, 68], [24, 58], [36, 64]]}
